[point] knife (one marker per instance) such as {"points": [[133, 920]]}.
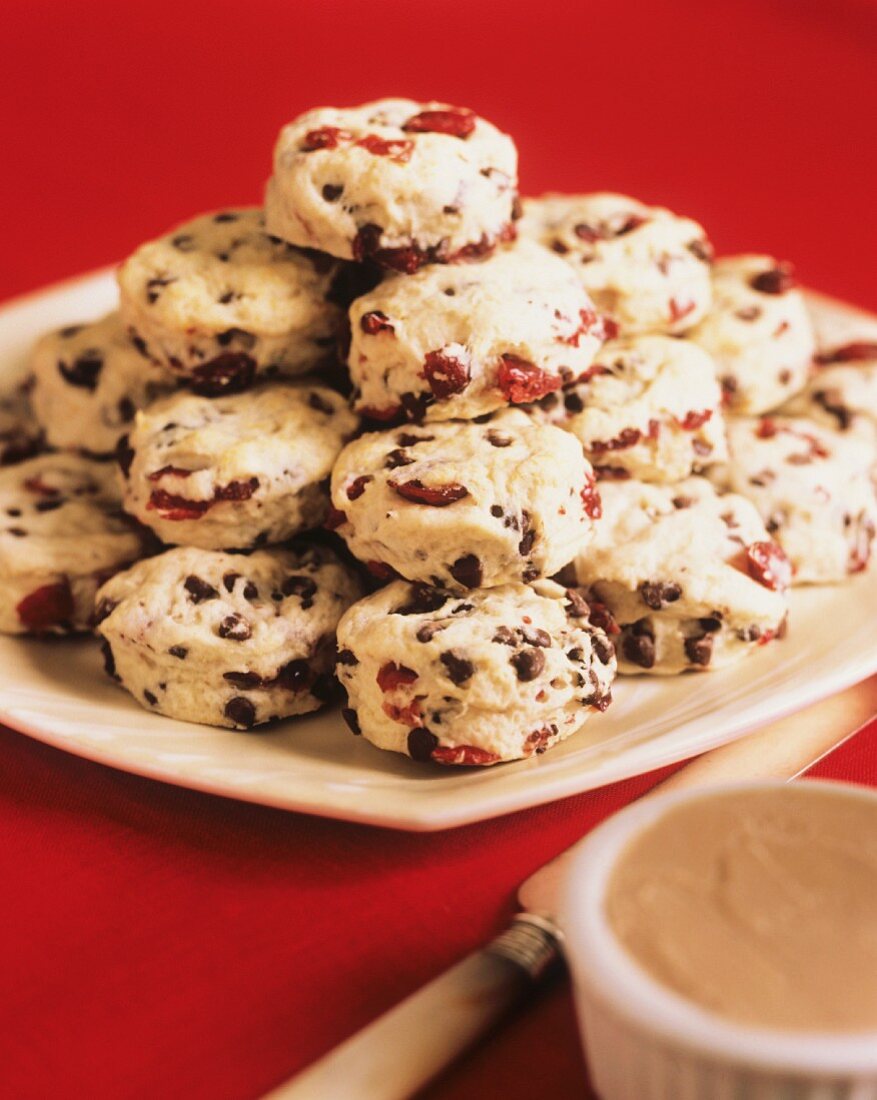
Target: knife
{"points": [[403, 1050]]}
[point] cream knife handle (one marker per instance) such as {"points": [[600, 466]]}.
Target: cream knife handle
{"points": [[405, 1048]]}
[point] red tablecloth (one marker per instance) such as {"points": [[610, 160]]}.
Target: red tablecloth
{"points": [[156, 942]]}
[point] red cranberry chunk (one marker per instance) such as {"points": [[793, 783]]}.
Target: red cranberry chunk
{"points": [[767, 563], [436, 496], [375, 322], [861, 349], [464, 754], [357, 487], [591, 500], [694, 420], [327, 137], [176, 508], [397, 149], [457, 122], [231, 372], [521, 381], [446, 374], [392, 676], [45, 607]]}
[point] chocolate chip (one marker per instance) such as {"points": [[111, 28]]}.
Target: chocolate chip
{"points": [[422, 599], [199, 590], [428, 631], [657, 594], [710, 624], [498, 439], [185, 242], [332, 192], [84, 371], [421, 743], [467, 571], [235, 629], [776, 280], [225, 216], [154, 287], [295, 675], [528, 536], [603, 648], [534, 635], [245, 679], [303, 587], [577, 606], [124, 455], [350, 717], [150, 698], [109, 659], [240, 711], [699, 650], [639, 646], [683, 502], [408, 439], [573, 403], [104, 609], [347, 657], [528, 664], [181, 652], [459, 669], [505, 636]]}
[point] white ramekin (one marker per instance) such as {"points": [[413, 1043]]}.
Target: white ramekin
{"points": [[645, 1042]]}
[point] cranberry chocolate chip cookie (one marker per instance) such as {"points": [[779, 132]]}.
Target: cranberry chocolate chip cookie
{"points": [[397, 182], [499, 674], [219, 302], [464, 340], [89, 382], [466, 504], [226, 639], [842, 393], [681, 577], [647, 269], [62, 535], [814, 489], [21, 436], [233, 472], [758, 332], [650, 408]]}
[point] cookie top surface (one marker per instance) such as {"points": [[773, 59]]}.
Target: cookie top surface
{"points": [[486, 670], [758, 332], [221, 272], [60, 513], [401, 182], [842, 393], [458, 341], [650, 408], [466, 503], [251, 609], [712, 552], [89, 381], [645, 267]]}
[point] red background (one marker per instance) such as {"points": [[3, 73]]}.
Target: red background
{"points": [[156, 942]]}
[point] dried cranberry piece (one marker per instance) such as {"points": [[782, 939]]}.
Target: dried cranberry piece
{"points": [[381, 570], [326, 137], [372, 412], [357, 487], [457, 122], [861, 349], [436, 496], [237, 490], [538, 740], [767, 563], [37, 485], [776, 280], [397, 458], [601, 617], [679, 310], [421, 744], [701, 249], [367, 246], [375, 322], [231, 372], [240, 711], [398, 149], [176, 508], [392, 676], [50, 605], [629, 437], [459, 669], [591, 501], [446, 374], [464, 755], [84, 371], [521, 381], [235, 629], [588, 233], [334, 519], [694, 420]]}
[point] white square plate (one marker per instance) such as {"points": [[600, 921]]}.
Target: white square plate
{"points": [[55, 690]]}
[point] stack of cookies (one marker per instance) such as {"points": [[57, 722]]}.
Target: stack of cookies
{"points": [[565, 445]]}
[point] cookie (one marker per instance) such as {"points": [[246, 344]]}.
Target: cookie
{"points": [[758, 333], [398, 182], [62, 534], [646, 268], [466, 504], [813, 488], [217, 301], [499, 674], [89, 382], [226, 639], [682, 578], [842, 393], [21, 436], [650, 408], [238, 471], [464, 340]]}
